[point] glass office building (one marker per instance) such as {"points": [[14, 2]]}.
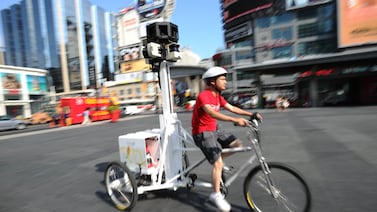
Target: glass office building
{"points": [[72, 39]]}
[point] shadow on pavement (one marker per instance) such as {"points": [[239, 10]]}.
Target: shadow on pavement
{"points": [[196, 199]]}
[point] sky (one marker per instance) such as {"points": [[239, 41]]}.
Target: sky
{"points": [[199, 22]]}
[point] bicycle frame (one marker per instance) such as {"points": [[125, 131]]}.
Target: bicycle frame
{"points": [[185, 180]]}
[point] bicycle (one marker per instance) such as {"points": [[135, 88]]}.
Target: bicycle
{"points": [[269, 186]]}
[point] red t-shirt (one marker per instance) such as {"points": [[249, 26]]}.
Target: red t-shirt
{"points": [[201, 121]]}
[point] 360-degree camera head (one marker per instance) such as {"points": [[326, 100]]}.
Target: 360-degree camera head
{"points": [[162, 32]]}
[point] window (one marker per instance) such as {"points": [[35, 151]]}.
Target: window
{"points": [[263, 22], [245, 75], [281, 19], [282, 33], [244, 55], [274, 20], [317, 47], [307, 30], [282, 52], [224, 60], [137, 90], [244, 43], [316, 28]]}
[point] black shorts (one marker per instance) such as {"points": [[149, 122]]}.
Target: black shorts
{"points": [[212, 142]]}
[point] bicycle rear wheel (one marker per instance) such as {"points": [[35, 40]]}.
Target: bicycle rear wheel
{"points": [[121, 185], [291, 191]]}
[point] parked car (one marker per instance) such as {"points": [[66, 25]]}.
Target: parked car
{"points": [[244, 100], [8, 123]]}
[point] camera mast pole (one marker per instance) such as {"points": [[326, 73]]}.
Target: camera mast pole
{"points": [[162, 48]]}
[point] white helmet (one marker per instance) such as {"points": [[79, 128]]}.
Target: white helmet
{"points": [[214, 72]]}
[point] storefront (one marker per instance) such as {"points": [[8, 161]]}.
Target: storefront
{"points": [[22, 90], [347, 78]]}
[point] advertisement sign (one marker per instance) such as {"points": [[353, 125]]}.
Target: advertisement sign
{"points": [[296, 4], [128, 28], [240, 31], [134, 65], [36, 84], [131, 53], [149, 9], [11, 83], [357, 22], [233, 9], [129, 77]]}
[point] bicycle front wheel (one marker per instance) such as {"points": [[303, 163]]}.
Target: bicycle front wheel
{"points": [[121, 185], [289, 191]]}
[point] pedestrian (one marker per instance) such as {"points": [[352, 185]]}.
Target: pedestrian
{"points": [[279, 103], [285, 103], [208, 135], [86, 115]]}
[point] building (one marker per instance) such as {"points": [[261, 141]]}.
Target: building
{"points": [[72, 39], [327, 48], [22, 90]]}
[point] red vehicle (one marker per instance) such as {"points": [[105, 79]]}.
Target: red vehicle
{"points": [[74, 107]]}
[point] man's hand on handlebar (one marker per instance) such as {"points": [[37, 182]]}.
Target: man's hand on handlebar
{"points": [[241, 122], [257, 116]]}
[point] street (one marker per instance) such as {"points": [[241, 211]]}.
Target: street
{"points": [[62, 169]]}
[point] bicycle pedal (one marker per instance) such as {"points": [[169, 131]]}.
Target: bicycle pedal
{"points": [[193, 177], [228, 168]]}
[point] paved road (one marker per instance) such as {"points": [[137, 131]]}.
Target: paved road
{"points": [[61, 169]]}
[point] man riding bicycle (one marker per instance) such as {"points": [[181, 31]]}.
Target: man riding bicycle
{"points": [[208, 135]]}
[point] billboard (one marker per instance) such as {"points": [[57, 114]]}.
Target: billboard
{"points": [[11, 83], [233, 9], [296, 4], [36, 84], [129, 77], [128, 28], [130, 53], [149, 9], [357, 22], [134, 65]]}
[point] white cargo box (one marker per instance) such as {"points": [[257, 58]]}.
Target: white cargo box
{"points": [[140, 150]]}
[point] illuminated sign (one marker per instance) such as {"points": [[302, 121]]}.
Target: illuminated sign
{"points": [[357, 22]]}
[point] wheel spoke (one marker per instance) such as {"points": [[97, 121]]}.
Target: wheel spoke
{"points": [[286, 192], [121, 185]]}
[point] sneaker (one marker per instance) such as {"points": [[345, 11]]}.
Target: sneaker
{"points": [[220, 202]]}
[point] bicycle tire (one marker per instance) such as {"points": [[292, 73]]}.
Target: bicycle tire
{"points": [[293, 193], [121, 185]]}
